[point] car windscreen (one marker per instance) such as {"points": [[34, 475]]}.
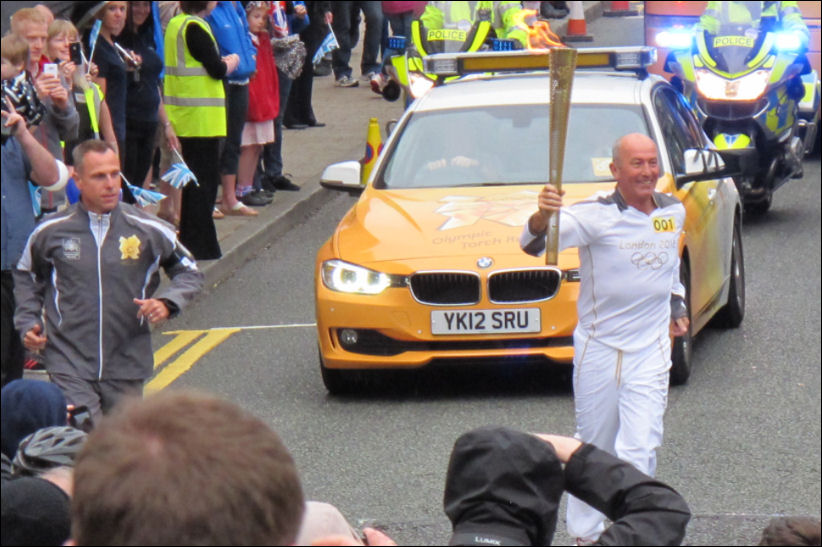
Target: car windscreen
{"points": [[504, 145]]}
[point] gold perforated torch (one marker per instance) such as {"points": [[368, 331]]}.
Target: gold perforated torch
{"points": [[562, 62]]}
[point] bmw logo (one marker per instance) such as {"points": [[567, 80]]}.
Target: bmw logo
{"points": [[484, 262]]}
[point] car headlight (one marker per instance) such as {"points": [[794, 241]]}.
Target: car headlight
{"points": [[746, 88], [349, 278]]}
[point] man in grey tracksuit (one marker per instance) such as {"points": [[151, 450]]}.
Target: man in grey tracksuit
{"points": [[94, 267]]}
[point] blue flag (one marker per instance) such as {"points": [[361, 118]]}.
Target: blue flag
{"points": [[145, 197], [179, 175], [95, 32], [141, 195], [329, 43], [35, 192], [92, 41]]}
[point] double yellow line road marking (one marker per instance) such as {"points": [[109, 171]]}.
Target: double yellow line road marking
{"points": [[202, 342]]}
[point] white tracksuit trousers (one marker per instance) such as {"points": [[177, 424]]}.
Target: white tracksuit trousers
{"points": [[619, 400]]}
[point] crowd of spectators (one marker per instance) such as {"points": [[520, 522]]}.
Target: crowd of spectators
{"points": [[206, 85], [105, 74], [149, 474]]}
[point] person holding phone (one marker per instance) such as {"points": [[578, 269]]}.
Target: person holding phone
{"points": [[62, 121], [65, 49]]}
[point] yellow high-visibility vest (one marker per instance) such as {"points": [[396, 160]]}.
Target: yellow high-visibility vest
{"points": [[194, 101]]}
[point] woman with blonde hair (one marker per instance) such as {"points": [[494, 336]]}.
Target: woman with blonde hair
{"points": [[95, 118]]}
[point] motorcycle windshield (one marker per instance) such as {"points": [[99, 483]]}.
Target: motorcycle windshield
{"points": [[732, 52], [738, 35]]}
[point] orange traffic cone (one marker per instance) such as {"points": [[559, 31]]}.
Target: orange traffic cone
{"points": [[576, 31], [373, 147], [620, 9]]}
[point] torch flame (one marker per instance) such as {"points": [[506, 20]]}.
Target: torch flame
{"points": [[540, 35]]}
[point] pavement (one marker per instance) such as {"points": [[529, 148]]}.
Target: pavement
{"points": [[306, 152]]}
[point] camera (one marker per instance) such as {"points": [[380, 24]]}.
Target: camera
{"points": [[80, 417], [6, 131], [20, 92]]}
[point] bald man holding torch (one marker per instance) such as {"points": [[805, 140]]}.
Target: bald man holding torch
{"points": [[630, 302]]}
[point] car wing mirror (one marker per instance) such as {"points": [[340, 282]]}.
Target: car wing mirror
{"points": [[344, 176], [705, 164]]}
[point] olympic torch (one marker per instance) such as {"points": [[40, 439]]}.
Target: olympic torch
{"points": [[562, 62]]}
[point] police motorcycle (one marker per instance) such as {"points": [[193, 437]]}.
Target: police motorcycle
{"points": [[406, 72], [756, 97]]}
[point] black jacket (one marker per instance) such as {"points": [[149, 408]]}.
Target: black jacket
{"points": [[644, 511]]}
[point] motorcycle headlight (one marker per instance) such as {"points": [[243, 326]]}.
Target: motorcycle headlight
{"points": [[746, 88], [788, 41], [674, 39], [418, 84], [349, 278]]}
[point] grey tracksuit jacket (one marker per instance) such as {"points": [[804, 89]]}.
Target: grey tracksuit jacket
{"points": [[85, 269]]}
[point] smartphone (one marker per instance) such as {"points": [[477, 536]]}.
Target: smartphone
{"points": [[51, 68], [76, 53]]}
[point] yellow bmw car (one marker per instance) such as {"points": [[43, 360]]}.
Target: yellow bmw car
{"points": [[426, 266]]}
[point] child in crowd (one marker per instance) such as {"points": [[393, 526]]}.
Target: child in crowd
{"points": [[15, 54], [263, 103]]}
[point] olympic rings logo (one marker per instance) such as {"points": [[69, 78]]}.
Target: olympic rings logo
{"points": [[654, 261]]}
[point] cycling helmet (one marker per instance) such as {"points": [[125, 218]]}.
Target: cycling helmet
{"points": [[48, 448]]}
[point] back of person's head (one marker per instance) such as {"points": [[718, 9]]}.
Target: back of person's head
{"points": [[502, 488], [14, 49], [48, 448], [25, 407], [193, 7], [182, 468], [792, 531], [24, 16], [35, 512]]}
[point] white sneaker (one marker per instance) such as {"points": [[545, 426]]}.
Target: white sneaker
{"points": [[377, 83], [346, 81]]}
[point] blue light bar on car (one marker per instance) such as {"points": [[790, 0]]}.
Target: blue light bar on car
{"points": [[500, 44], [396, 42]]}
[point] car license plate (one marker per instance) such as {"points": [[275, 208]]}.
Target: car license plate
{"points": [[485, 321]]}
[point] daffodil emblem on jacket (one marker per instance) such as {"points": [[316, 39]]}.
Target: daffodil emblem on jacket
{"points": [[129, 247]]}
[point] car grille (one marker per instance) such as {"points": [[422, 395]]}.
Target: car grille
{"points": [[518, 286], [446, 288]]}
